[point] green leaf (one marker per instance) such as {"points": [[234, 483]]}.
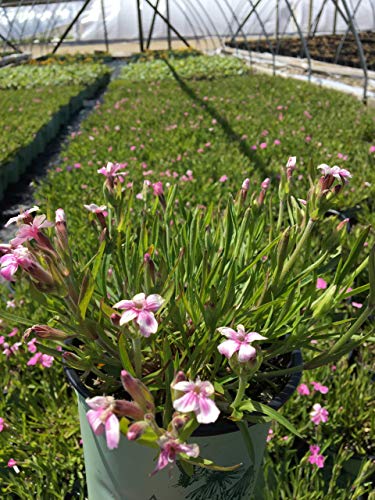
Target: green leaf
{"points": [[125, 360], [255, 406]]}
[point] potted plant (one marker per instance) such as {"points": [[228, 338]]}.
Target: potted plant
{"points": [[182, 330]]}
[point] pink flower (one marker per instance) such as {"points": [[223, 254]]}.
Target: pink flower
{"points": [[372, 149], [31, 347], [101, 417], [9, 263], [336, 172], [323, 389], [2, 424], [111, 170], [141, 308], [223, 178], [43, 359], [239, 341], [170, 448], [198, 399], [358, 305], [307, 114], [277, 142], [319, 414], [10, 349], [13, 332], [292, 161], [321, 284], [95, 209], [315, 458], [303, 390], [11, 462], [31, 231], [263, 145], [22, 216], [269, 435], [266, 183], [158, 188]]}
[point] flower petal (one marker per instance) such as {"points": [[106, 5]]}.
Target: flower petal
{"points": [[154, 302], [97, 402], [246, 352], [147, 323], [228, 348], [251, 336], [187, 403], [228, 332], [93, 417], [127, 316], [208, 411], [112, 431], [124, 304]]}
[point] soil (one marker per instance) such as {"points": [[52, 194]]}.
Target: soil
{"points": [[322, 48]]}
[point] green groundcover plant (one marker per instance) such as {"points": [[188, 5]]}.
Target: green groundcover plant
{"points": [[187, 314]]}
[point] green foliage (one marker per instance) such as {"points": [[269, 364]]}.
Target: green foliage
{"points": [[171, 118], [28, 77]]}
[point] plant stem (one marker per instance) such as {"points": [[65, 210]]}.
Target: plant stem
{"points": [[241, 390], [137, 353], [304, 238], [280, 217]]}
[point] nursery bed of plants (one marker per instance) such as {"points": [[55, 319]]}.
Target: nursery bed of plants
{"points": [[34, 102], [321, 47], [169, 126]]}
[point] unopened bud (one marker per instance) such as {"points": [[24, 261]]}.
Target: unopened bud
{"points": [[128, 409], [179, 421], [342, 224], [136, 430], [45, 332], [138, 391], [290, 166], [115, 319], [60, 229]]}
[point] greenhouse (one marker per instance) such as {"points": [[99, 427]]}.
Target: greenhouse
{"points": [[187, 249]]}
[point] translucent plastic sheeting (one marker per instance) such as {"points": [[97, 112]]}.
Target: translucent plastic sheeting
{"points": [[191, 18]]}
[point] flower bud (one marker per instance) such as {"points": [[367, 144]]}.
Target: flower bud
{"points": [[45, 332], [138, 391], [179, 421], [136, 430], [60, 229], [128, 409]]}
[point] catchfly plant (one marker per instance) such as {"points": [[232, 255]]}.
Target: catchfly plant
{"points": [[184, 317]]}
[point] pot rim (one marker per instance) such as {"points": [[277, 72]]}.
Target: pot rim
{"points": [[216, 428]]}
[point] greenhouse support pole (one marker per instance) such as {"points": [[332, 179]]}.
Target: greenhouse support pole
{"points": [[140, 27], [335, 18], [152, 26], [339, 48], [105, 28], [10, 44], [305, 47], [64, 35], [360, 48], [277, 23], [245, 21], [311, 5], [168, 23], [168, 26]]}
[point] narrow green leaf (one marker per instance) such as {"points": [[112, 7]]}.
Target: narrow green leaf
{"points": [[125, 360], [255, 406]]}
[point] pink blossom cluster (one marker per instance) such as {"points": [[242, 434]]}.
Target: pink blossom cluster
{"points": [[315, 457]]}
